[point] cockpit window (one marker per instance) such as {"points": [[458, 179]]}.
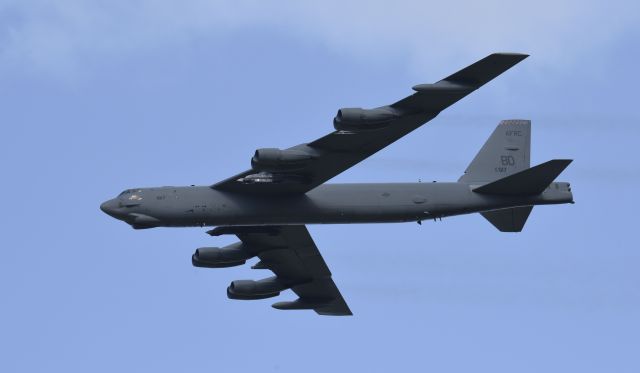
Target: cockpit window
{"points": [[135, 194]]}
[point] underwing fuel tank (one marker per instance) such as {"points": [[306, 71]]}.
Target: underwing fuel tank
{"points": [[301, 304]]}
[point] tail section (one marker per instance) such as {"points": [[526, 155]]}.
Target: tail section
{"points": [[502, 168], [529, 182], [508, 220], [506, 152]]}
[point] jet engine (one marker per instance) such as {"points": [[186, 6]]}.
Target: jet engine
{"points": [[277, 160], [215, 257], [357, 119], [249, 289]]}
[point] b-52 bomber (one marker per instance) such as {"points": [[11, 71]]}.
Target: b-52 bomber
{"points": [[267, 206]]}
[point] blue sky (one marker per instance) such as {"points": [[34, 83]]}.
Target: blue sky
{"points": [[101, 96]]}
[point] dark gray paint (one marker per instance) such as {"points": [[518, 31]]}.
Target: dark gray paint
{"points": [[268, 205], [326, 204]]}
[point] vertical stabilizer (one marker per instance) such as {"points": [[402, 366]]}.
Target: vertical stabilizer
{"points": [[506, 152]]}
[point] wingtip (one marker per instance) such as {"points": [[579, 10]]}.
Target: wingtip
{"points": [[521, 56], [485, 70], [507, 58]]}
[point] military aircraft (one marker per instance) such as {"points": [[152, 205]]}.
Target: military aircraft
{"points": [[267, 206]]}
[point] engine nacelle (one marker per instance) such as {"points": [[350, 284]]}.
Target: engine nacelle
{"points": [[215, 257], [249, 289], [357, 119], [277, 160]]}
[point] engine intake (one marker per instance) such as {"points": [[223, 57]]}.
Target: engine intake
{"points": [[358, 119], [250, 290], [215, 257], [277, 160]]}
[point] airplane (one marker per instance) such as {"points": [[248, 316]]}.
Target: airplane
{"points": [[268, 206]]}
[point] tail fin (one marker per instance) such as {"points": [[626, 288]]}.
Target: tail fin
{"points": [[508, 220], [505, 153], [531, 181]]}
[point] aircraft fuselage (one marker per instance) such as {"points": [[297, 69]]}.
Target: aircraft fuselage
{"points": [[326, 204]]}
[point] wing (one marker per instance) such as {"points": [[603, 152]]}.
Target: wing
{"points": [[360, 133], [289, 251]]}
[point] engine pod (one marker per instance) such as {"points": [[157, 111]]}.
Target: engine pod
{"points": [[358, 119], [278, 160], [249, 289], [215, 257]]}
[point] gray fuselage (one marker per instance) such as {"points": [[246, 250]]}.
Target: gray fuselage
{"points": [[326, 204]]}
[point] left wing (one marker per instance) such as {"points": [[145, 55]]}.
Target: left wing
{"points": [[360, 133], [288, 251]]}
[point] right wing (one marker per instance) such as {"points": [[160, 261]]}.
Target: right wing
{"points": [[290, 253], [360, 133]]}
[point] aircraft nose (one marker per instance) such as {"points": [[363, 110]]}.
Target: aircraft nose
{"points": [[109, 207]]}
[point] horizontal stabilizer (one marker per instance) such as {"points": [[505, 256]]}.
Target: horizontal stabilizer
{"points": [[531, 181], [508, 220]]}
